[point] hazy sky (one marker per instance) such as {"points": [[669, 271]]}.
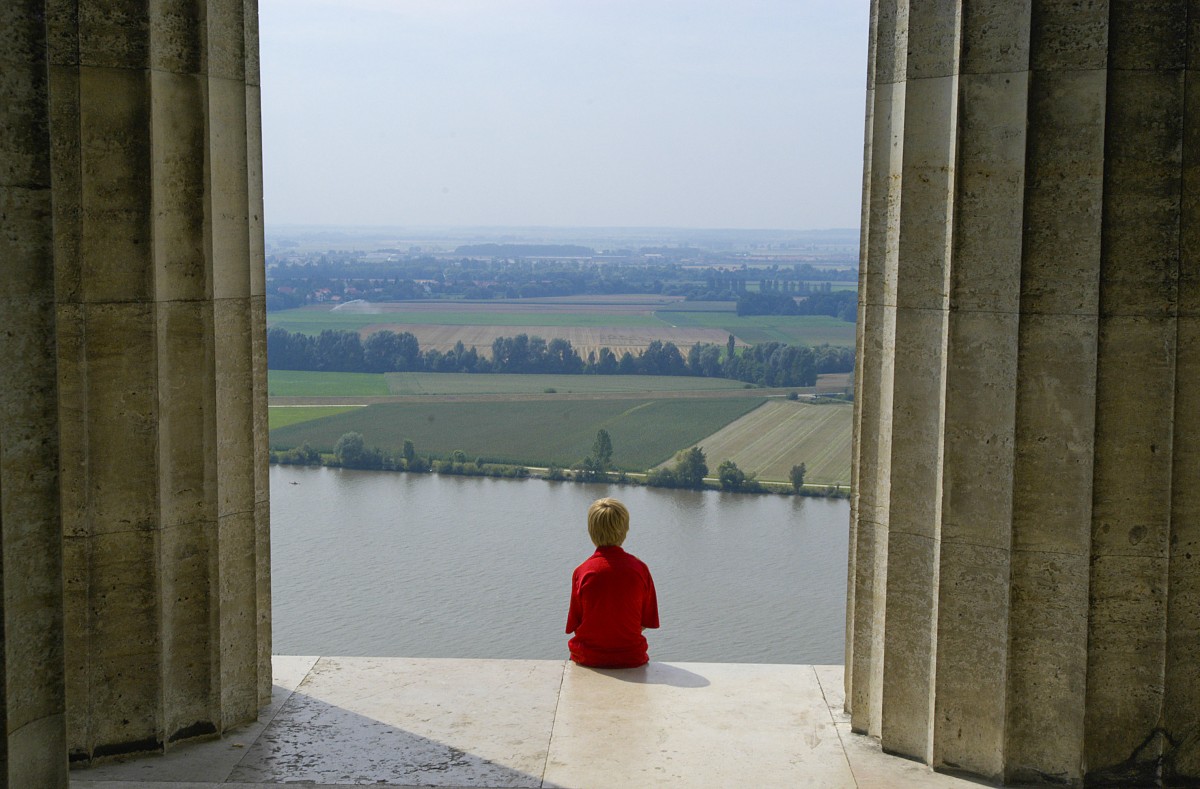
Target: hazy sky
{"points": [[680, 113]]}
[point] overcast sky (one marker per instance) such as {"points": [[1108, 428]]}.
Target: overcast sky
{"points": [[632, 113]]}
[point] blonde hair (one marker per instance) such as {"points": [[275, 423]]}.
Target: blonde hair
{"points": [[608, 522]]}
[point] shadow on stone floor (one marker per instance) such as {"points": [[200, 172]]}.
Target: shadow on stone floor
{"points": [[346, 721], [314, 741], [654, 674]]}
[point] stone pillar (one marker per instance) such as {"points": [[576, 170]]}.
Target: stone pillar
{"points": [[1041, 619], [32, 697], [135, 273]]}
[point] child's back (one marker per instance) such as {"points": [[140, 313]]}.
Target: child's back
{"points": [[612, 596]]}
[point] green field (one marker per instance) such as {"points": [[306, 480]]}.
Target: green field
{"points": [[796, 329], [771, 439], [298, 383], [753, 329], [278, 416], [644, 432], [301, 383]]}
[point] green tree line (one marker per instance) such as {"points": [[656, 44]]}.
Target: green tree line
{"points": [[765, 364], [774, 299]]}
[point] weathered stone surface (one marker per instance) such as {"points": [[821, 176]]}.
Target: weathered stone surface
{"points": [[115, 171], [1147, 36], [1126, 654], [178, 35], [144, 569], [189, 692], [1047, 666], [227, 39], [977, 473], [66, 178], [181, 266], [995, 37], [876, 341], [62, 31], [933, 39], [1032, 515], [1069, 35], [1181, 694], [972, 656], [32, 692], [114, 34], [254, 204], [229, 191], [891, 42], [1063, 192], [250, 20], [907, 644], [121, 417], [122, 648], [989, 202]]}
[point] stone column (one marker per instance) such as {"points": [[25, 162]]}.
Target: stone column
{"points": [[873, 372], [136, 547], [1041, 620], [32, 697]]}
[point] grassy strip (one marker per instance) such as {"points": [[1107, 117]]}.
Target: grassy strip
{"points": [[801, 329], [299, 383], [644, 432], [278, 417], [793, 329], [302, 383]]}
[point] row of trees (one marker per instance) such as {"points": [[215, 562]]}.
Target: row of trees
{"points": [[351, 451], [766, 364], [688, 471], [841, 304]]}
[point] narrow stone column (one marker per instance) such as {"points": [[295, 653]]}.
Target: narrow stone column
{"points": [[976, 525], [918, 403], [1041, 515], [32, 696], [1131, 513], [1181, 694], [1056, 391], [873, 367]]}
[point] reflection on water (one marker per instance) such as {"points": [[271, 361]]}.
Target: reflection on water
{"points": [[386, 564]]}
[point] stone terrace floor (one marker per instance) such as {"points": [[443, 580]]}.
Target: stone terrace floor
{"points": [[403, 722]]}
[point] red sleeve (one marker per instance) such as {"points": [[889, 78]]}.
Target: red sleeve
{"points": [[575, 610], [650, 604]]}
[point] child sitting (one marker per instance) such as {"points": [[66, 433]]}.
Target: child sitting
{"points": [[612, 596]]}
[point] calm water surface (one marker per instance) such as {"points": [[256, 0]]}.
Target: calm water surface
{"points": [[386, 564]]}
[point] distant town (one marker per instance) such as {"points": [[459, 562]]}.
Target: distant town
{"points": [[313, 266]]}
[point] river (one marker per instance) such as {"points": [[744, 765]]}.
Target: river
{"points": [[419, 565]]}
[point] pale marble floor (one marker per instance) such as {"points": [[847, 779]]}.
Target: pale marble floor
{"points": [[403, 722]]}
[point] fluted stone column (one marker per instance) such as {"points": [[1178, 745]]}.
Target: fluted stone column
{"points": [[1038, 549], [32, 696], [137, 276]]}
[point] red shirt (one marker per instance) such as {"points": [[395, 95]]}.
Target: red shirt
{"points": [[612, 599]]}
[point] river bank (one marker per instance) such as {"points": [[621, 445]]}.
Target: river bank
{"points": [[308, 457]]}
